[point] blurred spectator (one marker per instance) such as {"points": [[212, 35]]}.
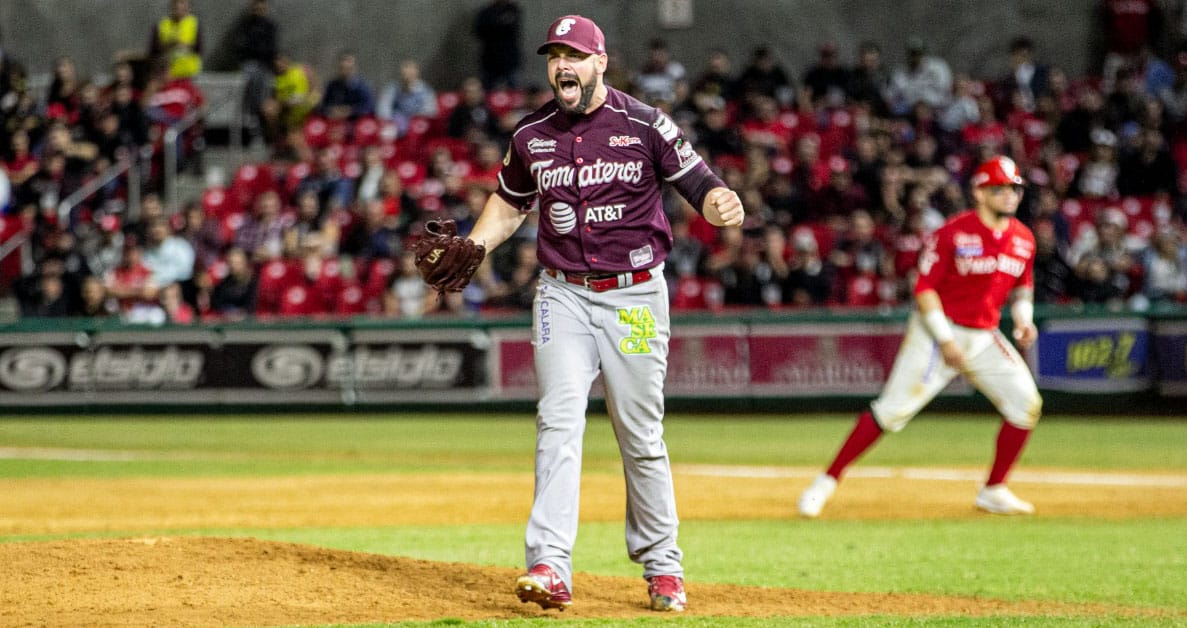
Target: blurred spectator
{"points": [[311, 218], [498, 26], [1053, 276], [765, 127], [764, 76], [19, 162], [1108, 244], [810, 277], [1096, 283], [47, 294], [130, 283], [374, 236], [1076, 127], [986, 132], [261, 233], [659, 74], [93, 301], [1165, 264], [869, 80], [516, 287], [714, 134], [255, 41], [234, 296], [295, 95], [963, 109], [347, 95], [203, 233], [334, 190], [105, 250], [748, 272], [717, 78], [1097, 177], [177, 41], [173, 101], [64, 99], [1120, 29], [409, 97], [1149, 168], [924, 78], [176, 310], [826, 80], [472, 120], [407, 296], [1025, 77], [839, 197], [170, 258]]}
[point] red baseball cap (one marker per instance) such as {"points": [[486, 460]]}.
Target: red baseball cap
{"points": [[577, 32], [997, 171]]}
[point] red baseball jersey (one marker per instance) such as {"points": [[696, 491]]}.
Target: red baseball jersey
{"points": [[973, 268]]}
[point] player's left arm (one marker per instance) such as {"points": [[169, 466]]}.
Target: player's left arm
{"points": [[1022, 302], [723, 208], [1022, 311], [680, 165]]}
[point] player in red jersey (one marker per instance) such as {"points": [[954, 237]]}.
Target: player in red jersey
{"points": [[970, 267]]}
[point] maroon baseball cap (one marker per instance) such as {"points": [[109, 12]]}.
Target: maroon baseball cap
{"points": [[577, 32]]}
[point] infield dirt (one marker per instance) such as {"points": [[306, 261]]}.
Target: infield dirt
{"points": [[183, 581]]}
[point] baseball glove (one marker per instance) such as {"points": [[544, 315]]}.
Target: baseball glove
{"points": [[445, 260]]}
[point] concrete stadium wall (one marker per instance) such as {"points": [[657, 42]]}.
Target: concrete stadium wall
{"points": [[972, 35]]}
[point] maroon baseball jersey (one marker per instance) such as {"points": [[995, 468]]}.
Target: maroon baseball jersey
{"points": [[973, 268], [597, 181]]}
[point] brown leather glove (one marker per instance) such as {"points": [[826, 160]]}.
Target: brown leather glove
{"points": [[445, 260]]}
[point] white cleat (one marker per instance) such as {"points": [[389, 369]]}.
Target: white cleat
{"points": [[814, 498], [998, 500]]}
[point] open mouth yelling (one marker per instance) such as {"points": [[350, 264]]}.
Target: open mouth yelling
{"points": [[568, 89]]}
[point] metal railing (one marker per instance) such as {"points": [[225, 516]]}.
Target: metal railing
{"points": [[173, 135], [130, 165]]}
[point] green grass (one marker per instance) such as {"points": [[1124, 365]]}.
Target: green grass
{"points": [[307, 444], [1141, 563]]}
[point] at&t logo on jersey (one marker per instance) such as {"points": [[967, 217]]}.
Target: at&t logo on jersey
{"points": [[563, 217], [604, 213]]}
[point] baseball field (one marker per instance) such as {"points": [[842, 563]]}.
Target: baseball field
{"points": [[403, 519]]}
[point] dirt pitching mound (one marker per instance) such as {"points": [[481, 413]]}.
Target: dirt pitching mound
{"points": [[186, 581]]}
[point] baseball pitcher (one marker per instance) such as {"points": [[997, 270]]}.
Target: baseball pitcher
{"points": [[593, 161]]}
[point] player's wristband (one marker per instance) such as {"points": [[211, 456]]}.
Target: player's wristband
{"points": [[1023, 313], [938, 326]]}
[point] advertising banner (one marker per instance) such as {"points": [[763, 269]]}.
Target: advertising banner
{"points": [[248, 366], [1170, 351], [1094, 355]]}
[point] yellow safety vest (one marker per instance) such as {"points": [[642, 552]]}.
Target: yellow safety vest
{"points": [[180, 39]]}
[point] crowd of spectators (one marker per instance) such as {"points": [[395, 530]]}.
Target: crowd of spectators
{"points": [[844, 168]]}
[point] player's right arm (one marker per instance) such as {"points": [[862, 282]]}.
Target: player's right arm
{"points": [[498, 220], [931, 312]]}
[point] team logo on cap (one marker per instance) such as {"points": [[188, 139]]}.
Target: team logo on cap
{"points": [[565, 26]]}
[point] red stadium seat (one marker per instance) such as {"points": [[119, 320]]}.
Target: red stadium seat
{"points": [[446, 103], [276, 277], [316, 131], [351, 300], [216, 202], [366, 131]]}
